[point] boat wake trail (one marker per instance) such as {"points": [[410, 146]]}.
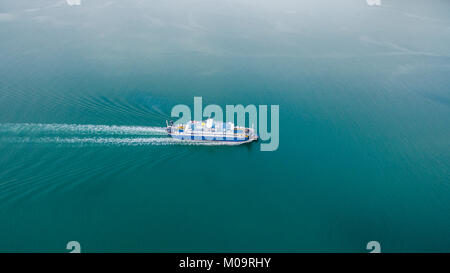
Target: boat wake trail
{"points": [[76, 134], [38, 128]]}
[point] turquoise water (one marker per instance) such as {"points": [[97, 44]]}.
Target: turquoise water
{"points": [[364, 126]]}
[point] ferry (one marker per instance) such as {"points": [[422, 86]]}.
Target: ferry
{"points": [[211, 130]]}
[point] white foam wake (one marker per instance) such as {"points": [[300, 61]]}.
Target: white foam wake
{"points": [[39, 128], [109, 140]]}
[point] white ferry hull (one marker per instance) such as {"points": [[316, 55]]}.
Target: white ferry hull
{"points": [[211, 131]]}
